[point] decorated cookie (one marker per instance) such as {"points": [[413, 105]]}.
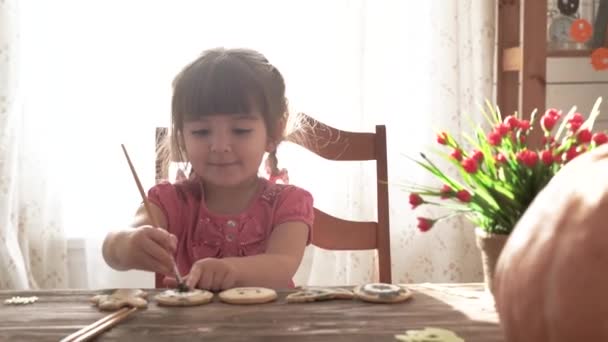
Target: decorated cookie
{"points": [[310, 295], [429, 335], [183, 298], [121, 298], [315, 294], [382, 293], [248, 295], [18, 300], [341, 293]]}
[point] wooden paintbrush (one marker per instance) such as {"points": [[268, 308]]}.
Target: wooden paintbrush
{"points": [[181, 286]]}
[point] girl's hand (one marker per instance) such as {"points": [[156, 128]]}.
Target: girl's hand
{"points": [[212, 274], [150, 249]]}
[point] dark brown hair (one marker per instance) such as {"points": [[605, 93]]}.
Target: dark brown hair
{"points": [[228, 81]]}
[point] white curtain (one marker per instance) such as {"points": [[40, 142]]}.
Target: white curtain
{"points": [[33, 251], [99, 74]]}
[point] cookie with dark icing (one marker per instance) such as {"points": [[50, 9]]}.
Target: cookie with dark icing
{"points": [[310, 295], [382, 293], [183, 298]]}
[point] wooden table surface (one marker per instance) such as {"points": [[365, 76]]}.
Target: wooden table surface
{"points": [[462, 308]]}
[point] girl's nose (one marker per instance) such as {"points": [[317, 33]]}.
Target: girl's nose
{"points": [[220, 143]]}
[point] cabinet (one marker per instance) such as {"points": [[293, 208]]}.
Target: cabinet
{"points": [[529, 75]]}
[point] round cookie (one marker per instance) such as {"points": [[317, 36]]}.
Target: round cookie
{"points": [[382, 293], [248, 295], [188, 298], [310, 295]]}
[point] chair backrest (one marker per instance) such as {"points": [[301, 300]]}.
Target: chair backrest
{"points": [[330, 232], [333, 233]]}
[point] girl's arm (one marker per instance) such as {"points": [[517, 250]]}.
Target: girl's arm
{"points": [[278, 265], [141, 246]]}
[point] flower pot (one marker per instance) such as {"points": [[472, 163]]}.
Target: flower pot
{"points": [[490, 246]]}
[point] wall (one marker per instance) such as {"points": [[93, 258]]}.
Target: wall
{"points": [[573, 81]]}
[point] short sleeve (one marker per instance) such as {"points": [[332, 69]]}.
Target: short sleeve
{"points": [[164, 196], [294, 204]]}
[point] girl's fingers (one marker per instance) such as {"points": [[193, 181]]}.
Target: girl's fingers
{"points": [[157, 256], [148, 263], [218, 279], [163, 238], [229, 281], [206, 280], [192, 279]]}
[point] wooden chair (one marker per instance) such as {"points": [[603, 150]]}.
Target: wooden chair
{"points": [[333, 233], [330, 232]]}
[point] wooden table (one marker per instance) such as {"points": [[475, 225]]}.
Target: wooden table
{"points": [[462, 308]]}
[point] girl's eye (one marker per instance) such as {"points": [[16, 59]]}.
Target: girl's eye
{"points": [[242, 131], [201, 132]]}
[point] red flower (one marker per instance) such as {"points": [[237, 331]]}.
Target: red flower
{"points": [[524, 125], [576, 121], [445, 191], [478, 156], [424, 224], [600, 138], [464, 196], [547, 122], [547, 157], [457, 154], [553, 113], [584, 136], [494, 138], [512, 122], [571, 153], [503, 129], [470, 165], [415, 200], [528, 158], [442, 138]]}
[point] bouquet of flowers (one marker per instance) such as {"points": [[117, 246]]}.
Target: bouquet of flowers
{"points": [[500, 173]]}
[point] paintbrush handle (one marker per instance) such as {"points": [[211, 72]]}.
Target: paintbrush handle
{"points": [[147, 206]]}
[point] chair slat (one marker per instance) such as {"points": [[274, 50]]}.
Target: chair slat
{"points": [[333, 233], [334, 144]]}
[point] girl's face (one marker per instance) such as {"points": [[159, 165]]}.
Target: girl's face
{"points": [[226, 149]]}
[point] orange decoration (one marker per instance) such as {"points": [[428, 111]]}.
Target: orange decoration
{"points": [[581, 30], [599, 59]]}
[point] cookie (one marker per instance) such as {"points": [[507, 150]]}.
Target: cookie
{"points": [[430, 335], [18, 300], [341, 293], [183, 298], [121, 298], [248, 295], [310, 295], [382, 293]]}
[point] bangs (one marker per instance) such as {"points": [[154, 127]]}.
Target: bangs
{"points": [[225, 85]]}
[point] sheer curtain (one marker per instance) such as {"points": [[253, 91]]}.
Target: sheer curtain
{"points": [[99, 74], [33, 252]]}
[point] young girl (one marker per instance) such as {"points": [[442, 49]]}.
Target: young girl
{"points": [[224, 226]]}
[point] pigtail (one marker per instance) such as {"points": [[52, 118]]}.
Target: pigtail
{"points": [[272, 169]]}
